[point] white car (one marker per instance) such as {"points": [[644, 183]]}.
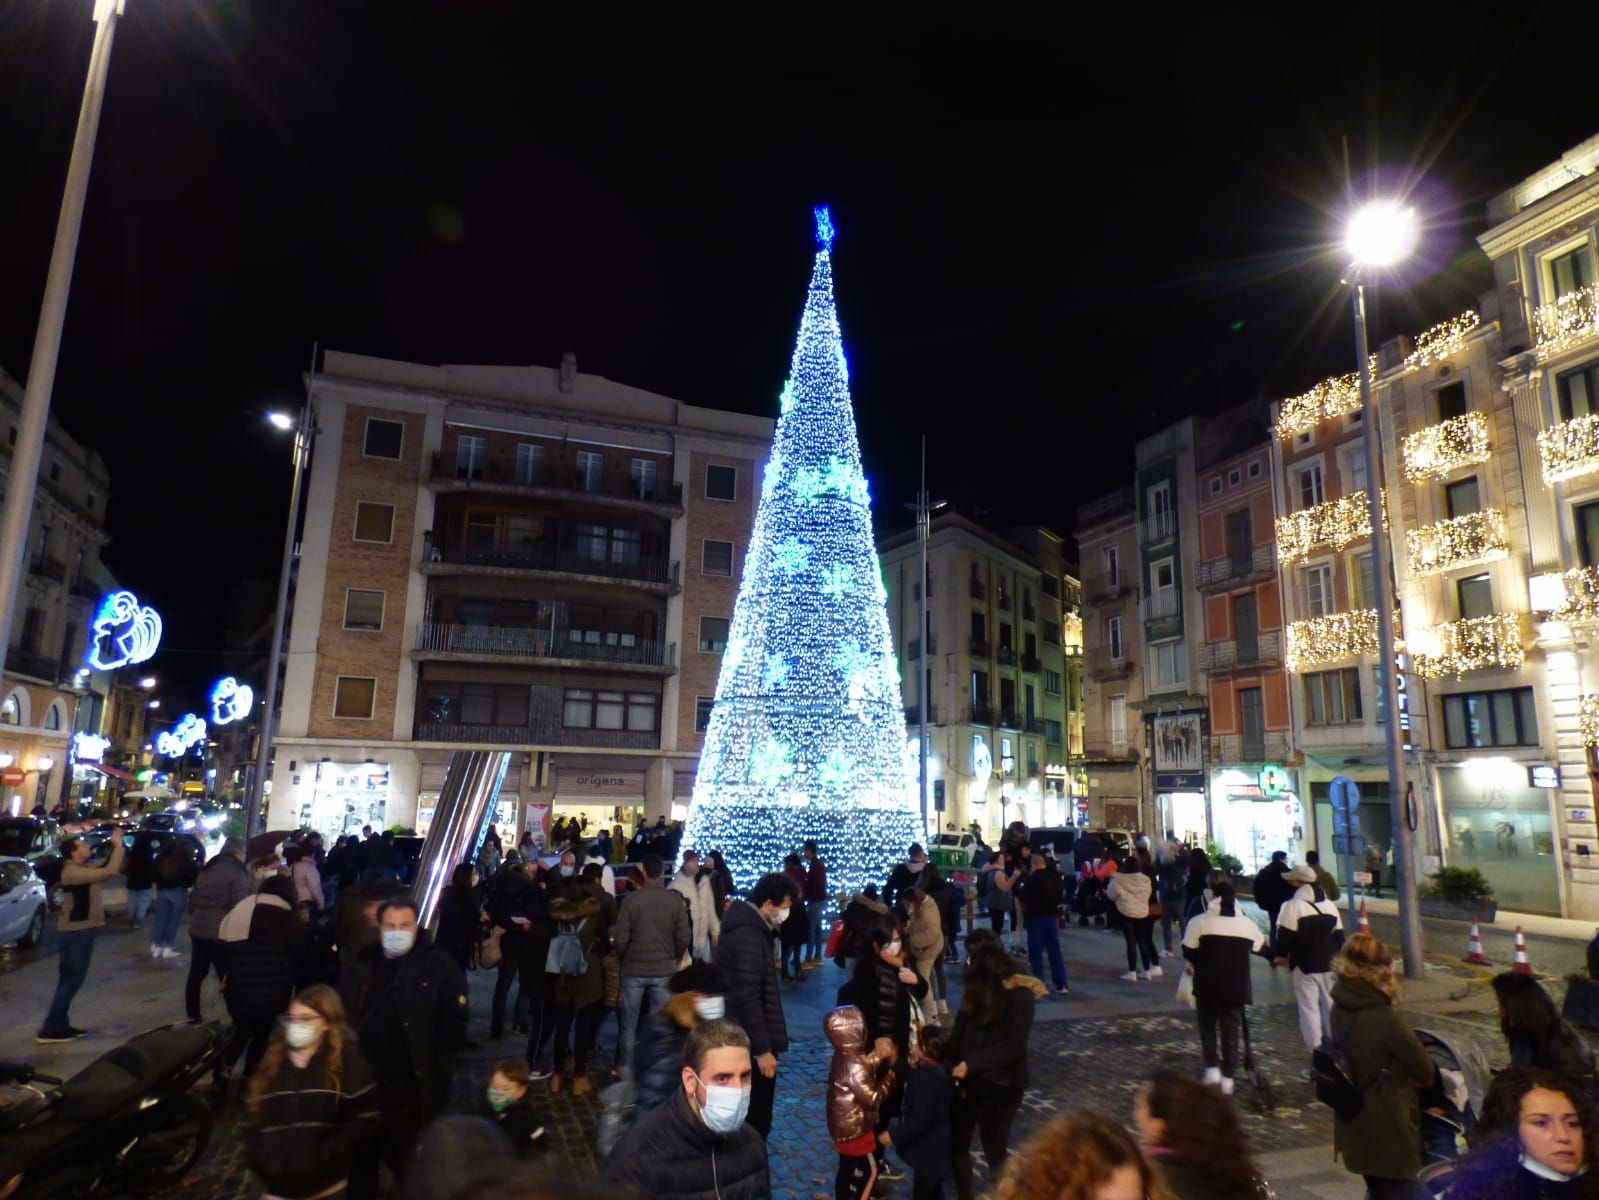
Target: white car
{"points": [[22, 904]]}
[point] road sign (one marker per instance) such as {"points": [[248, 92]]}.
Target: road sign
{"points": [[938, 795], [12, 777], [1363, 878], [1082, 804], [1348, 845], [1344, 793]]}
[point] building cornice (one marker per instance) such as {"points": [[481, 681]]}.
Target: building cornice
{"points": [[1544, 217]]}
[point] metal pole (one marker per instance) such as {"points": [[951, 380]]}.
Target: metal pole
{"points": [[923, 531], [1404, 836], [304, 432], [24, 476]]}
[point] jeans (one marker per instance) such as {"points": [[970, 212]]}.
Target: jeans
{"points": [[1170, 906], [814, 910], [991, 1116], [1043, 933], [513, 966], [791, 956], [207, 953], [1139, 933], [633, 989], [74, 949], [139, 902], [1313, 995], [1226, 1016], [169, 905], [582, 1037]]}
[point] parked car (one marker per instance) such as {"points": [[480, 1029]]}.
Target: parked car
{"points": [[954, 850], [37, 839], [23, 901]]}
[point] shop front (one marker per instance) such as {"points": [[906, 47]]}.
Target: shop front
{"points": [[1257, 813], [345, 796], [1182, 814], [1496, 817], [508, 820], [1058, 796], [599, 794], [1374, 820]]}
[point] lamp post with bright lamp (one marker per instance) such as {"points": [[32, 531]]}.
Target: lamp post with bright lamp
{"points": [[1383, 234]]}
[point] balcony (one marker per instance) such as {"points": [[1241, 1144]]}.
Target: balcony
{"points": [[1235, 749], [913, 714], [562, 555], [1102, 589], [1102, 665], [1265, 651], [1004, 601], [1569, 449], [1434, 452], [1568, 322], [1108, 748], [980, 647], [1474, 644], [1224, 572], [1581, 603], [1162, 606], [1475, 537], [913, 648], [30, 662], [1157, 527], [979, 589], [1033, 725], [1072, 634], [1335, 523], [553, 483], [48, 568], [1005, 656], [1031, 664], [1320, 640], [1008, 719], [534, 734], [1029, 613], [439, 641], [980, 714]]}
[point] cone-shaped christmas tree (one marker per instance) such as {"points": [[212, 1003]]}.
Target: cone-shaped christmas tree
{"points": [[807, 737]]}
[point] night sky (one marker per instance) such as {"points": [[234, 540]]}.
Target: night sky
{"points": [[1053, 237]]}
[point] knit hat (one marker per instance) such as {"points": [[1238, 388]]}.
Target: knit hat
{"points": [[1302, 874]]}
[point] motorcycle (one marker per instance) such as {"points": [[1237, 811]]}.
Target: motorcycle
{"points": [[128, 1122]]}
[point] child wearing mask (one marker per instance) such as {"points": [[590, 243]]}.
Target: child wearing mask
{"points": [[857, 1084], [511, 1108], [921, 1135]]}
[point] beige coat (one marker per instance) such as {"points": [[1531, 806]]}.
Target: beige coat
{"points": [[925, 935], [1131, 891], [82, 908]]}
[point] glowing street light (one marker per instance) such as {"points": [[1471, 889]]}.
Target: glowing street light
{"points": [[147, 682], [1382, 233], [281, 421]]}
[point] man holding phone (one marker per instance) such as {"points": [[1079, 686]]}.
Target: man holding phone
{"points": [[82, 916]]}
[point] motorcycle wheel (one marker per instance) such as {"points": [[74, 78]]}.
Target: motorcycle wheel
{"points": [[167, 1150]]}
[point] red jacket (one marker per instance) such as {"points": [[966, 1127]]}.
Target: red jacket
{"points": [[815, 887]]}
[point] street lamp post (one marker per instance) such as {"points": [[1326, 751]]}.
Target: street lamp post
{"points": [[24, 477], [924, 509], [1379, 235]]}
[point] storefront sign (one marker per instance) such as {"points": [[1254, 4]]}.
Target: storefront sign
{"points": [[1543, 775], [89, 747], [1402, 690], [578, 784], [1178, 754], [1273, 780]]}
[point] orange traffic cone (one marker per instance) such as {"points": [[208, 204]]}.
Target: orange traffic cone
{"points": [[1521, 966], [1365, 924], [1474, 952]]}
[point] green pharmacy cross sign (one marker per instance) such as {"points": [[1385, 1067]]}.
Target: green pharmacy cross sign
{"points": [[1273, 780]]}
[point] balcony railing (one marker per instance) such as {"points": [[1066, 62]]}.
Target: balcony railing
{"points": [[1569, 449], [1031, 664], [1335, 523], [1005, 656], [536, 734], [979, 590], [1099, 589], [979, 647], [1569, 321], [913, 714], [1160, 605], [1033, 725], [1158, 527], [1474, 537], [487, 641], [1236, 750], [1008, 718], [1107, 747], [1318, 640], [1225, 571], [913, 648], [1433, 452], [1473, 644], [980, 714], [31, 662], [504, 475], [1101, 665], [562, 555], [1581, 604], [1266, 650], [48, 568]]}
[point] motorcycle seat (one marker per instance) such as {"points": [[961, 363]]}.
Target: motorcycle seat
{"points": [[120, 1076]]}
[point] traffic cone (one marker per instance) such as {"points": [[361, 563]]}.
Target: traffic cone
{"points": [[1365, 924], [1521, 966], [1474, 952]]}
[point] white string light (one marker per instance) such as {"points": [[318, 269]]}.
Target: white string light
{"points": [[1569, 449], [1433, 452], [1472, 537], [1472, 644]]}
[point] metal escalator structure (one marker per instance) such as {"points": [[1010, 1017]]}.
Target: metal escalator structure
{"points": [[461, 818]]}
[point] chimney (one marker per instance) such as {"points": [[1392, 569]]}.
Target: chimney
{"points": [[569, 372]]}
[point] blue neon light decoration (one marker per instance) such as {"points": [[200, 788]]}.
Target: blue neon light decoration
{"points": [[123, 632], [182, 737], [824, 226], [230, 700]]}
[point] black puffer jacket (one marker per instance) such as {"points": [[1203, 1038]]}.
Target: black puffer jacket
{"points": [[302, 1141], [261, 972], [754, 1002], [995, 1054], [670, 1155], [658, 1060], [884, 1000]]}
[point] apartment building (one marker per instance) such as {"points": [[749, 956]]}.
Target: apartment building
{"points": [[508, 557], [995, 685], [1113, 665]]}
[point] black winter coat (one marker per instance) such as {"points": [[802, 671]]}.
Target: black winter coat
{"points": [[670, 1155], [996, 1054], [922, 1136], [754, 1001], [458, 923], [884, 1000], [303, 1140], [429, 1000], [658, 1059], [261, 972]]}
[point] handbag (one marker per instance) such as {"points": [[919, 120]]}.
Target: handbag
{"points": [[1155, 909], [489, 951], [1185, 989], [835, 939]]}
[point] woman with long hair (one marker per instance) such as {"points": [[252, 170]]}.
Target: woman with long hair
{"points": [[1534, 1140], [721, 880], [924, 935], [1080, 1156], [1535, 1033], [989, 1050], [1383, 1057], [1198, 881], [1197, 1144], [309, 1106], [460, 914], [1218, 944]]}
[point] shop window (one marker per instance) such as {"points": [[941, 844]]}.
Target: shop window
{"points": [[1474, 720], [716, 558], [374, 522], [721, 483], [354, 697], [363, 609], [1475, 595], [713, 634], [702, 712], [384, 439], [1332, 697]]}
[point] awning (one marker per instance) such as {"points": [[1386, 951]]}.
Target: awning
{"points": [[114, 772]]}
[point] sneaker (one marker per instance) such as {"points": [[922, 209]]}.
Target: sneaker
{"points": [[1063, 990], [1154, 972], [537, 1074], [1165, 953], [1129, 976], [1212, 1075], [890, 1172], [155, 951], [169, 952], [1226, 1086], [69, 1034]]}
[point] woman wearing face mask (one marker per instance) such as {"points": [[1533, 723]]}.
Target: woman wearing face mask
{"points": [[1534, 1141], [460, 915], [309, 1106], [699, 993], [575, 998]]}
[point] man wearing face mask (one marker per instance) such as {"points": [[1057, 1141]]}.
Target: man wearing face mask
{"points": [[407, 1001], [905, 876], [754, 998], [699, 994], [697, 1143]]}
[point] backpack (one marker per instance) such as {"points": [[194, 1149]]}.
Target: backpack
{"points": [[176, 866], [1333, 1081], [566, 956]]}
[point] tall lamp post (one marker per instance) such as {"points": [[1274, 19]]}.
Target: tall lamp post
{"points": [[304, 430], [924, 509], [24, 477], [1382, 234]]}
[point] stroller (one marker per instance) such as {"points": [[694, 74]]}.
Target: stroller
{"points": [[1449, 1111]]}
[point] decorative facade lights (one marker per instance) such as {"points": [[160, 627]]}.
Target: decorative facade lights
{"points": [[230, 700], [1588, 716], [1442, 340], [1581, 602], [1331, 639], [1569, 449], [1335, 523], [1432, 453], [182, 737], [1472, 644], [1572, 318], [1473, 537], [1329, 398], [123, 632]]}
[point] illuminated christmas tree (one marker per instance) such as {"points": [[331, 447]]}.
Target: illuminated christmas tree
{"points": [[807, 736]]}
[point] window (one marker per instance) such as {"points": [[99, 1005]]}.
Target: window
{"points": [[716, 558], [1365, 577], [52, 717], [980, 689], [1475, 595], [713, 634], [1352, 462], [1463, 497], [1171, 663], [1332, 697], [642, 478], [1113, 637], [1116, 710], [1252, 724], [1586, 518], [1004, 635], [1318, 590], [354, 696], [374, 522], [363, 609], [471, 453], [1234, 478], [590, 470], [529, 463], [577, 708], [702, 712], [1451, 400], [1032, 758], [591, 542], [11, 711], [583, 708], [1579, 392], [1162, 577], [721, 483], [55, 472], [979, 627], [627, 546], [1308, 486], [384, 438], [1254, 470], [1473, 720], [1240, 542], [1215, 486], [1051, 683], [1159, 508], [1113, 566], [1570, 272]]}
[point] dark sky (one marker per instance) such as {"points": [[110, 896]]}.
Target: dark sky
{"points": [[1052, 235]]}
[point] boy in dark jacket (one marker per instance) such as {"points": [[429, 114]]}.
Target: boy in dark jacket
{"points": [[699, 993], [921, 1136], [511, 1108]]}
